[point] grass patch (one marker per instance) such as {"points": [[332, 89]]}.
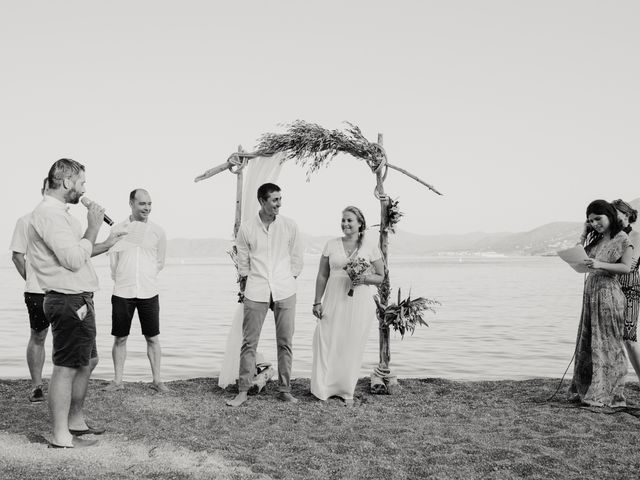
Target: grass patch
{"points": [[431, 429]]}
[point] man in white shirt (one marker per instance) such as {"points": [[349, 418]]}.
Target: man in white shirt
{"points": [[33, 298], [59, 253], [269, 261], [135, 264]]}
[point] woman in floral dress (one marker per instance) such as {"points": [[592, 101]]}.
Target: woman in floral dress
{"points": [[344, 321], [600, 362]]}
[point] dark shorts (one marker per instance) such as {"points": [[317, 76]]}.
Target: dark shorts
{"points": [[73, 327], [37, 319], [122, 310]]}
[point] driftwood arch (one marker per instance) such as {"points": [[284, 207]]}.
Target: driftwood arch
{"points": [[313, 146]]}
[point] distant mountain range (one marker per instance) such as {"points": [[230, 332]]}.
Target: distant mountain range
{"points": [[544, 240]]}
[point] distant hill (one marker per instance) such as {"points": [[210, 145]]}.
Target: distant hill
{"points": [[197, 248], [217, 247], [547, 238], [543, 240]]}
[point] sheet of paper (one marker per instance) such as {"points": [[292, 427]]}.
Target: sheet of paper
{"points": [[134, 237], [575, 257]]}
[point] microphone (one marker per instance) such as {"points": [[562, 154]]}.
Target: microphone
{"points": [[87, 202]]}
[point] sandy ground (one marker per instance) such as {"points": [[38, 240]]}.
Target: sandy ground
{"points": [[432, 428]]}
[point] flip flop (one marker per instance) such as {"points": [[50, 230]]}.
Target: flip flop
{"points": [[88, 431], [75, 443], [53, 445]]}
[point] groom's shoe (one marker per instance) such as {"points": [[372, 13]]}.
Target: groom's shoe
{"points": [[286, 397]]}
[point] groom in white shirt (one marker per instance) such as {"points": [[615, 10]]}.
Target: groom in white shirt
{"points": [[269, 260]]}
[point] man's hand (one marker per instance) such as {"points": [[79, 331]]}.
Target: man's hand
{"points": [[114, 237], [20, 263], [95, 216]]}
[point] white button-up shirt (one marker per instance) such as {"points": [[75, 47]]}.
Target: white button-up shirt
{"points": [[19, 245], [137, 259], [59, 256], [271, 259]]}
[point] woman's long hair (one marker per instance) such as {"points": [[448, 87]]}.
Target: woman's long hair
{"points": [[602, 207], [363, 223], [628, 210]]}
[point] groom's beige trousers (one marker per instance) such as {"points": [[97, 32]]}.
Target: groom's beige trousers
{"points": [[254, 314]]}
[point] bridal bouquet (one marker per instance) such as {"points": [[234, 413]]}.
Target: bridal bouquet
{"points": [[355, 269]]}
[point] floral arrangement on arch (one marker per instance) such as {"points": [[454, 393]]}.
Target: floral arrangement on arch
{"points": [[233, 253], [393, 215], [405, 315]]}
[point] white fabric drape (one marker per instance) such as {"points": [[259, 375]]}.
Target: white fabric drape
{"points": [[258, 171]]}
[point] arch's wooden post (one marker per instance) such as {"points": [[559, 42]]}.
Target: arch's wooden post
{"points": [[239, 180], [381, 379]]}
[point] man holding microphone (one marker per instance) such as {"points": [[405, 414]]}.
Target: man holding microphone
{"points": [[60, 253]]}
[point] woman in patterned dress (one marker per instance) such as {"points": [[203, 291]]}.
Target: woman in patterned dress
{"points": [[630, 283], [344, 321], [600, 363]]}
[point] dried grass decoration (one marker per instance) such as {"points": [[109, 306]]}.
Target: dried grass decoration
{"points": [[313, 146], [406, 314]]}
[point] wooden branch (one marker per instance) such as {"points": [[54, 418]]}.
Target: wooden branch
{"points": [[411, 175], [213, 171], [243, 155], [226, 165]]}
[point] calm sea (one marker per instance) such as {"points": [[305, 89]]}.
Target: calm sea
{"points": [[501, 318]]}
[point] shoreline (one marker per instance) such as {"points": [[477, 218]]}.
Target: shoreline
{"points": [[432, 428]]}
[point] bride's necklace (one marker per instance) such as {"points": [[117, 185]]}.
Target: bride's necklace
{"points": [[349, 250]]}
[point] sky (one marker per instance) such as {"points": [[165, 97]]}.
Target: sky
{"points": [[520, 113]]}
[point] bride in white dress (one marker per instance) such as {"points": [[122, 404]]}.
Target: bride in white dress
{"points": [[344, 321]]}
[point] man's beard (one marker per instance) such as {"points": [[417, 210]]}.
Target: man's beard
{"points": [[72, 196]]}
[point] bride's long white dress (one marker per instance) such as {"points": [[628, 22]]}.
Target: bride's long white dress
{"points": [[342, 332]]}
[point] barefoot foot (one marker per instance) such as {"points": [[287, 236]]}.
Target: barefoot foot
{"points": [[287, 397], [114, 387], [159, 387], [238, 400]]}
